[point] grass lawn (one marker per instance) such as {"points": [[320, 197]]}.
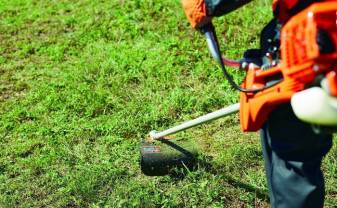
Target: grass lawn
{"points": [[82, 81]]}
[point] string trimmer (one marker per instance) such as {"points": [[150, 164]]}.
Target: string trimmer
{"points": [[299, 66]]}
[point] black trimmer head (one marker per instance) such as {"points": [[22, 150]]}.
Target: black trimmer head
{"points": [[162, 157]]}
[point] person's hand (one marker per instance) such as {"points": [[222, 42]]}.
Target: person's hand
{"points": [[196, 12]]}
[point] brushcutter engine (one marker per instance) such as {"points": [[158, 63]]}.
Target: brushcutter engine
{"points": [[305, 74]]}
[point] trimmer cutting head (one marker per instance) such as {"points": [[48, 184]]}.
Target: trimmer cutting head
{"points": [[159, 156], [162, 157]]}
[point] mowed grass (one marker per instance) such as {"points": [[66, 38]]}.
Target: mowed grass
{"points": [[83, 81]]}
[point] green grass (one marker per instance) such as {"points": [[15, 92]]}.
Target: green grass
{"points": [[81, 82]]}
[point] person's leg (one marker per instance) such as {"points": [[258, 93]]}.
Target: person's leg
{"points": [[293, 155], [267, 157]]}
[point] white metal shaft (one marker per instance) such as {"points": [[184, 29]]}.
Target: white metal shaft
{"points": [[200, 120]]}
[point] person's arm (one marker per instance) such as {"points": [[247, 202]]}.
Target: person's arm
{"points": [[200, 12], [221, 7]]}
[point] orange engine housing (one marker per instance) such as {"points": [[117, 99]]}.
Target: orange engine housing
{"points": [[301, 62]]}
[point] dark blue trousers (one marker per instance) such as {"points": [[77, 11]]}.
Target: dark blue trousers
{"points": [[293, 154]]}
